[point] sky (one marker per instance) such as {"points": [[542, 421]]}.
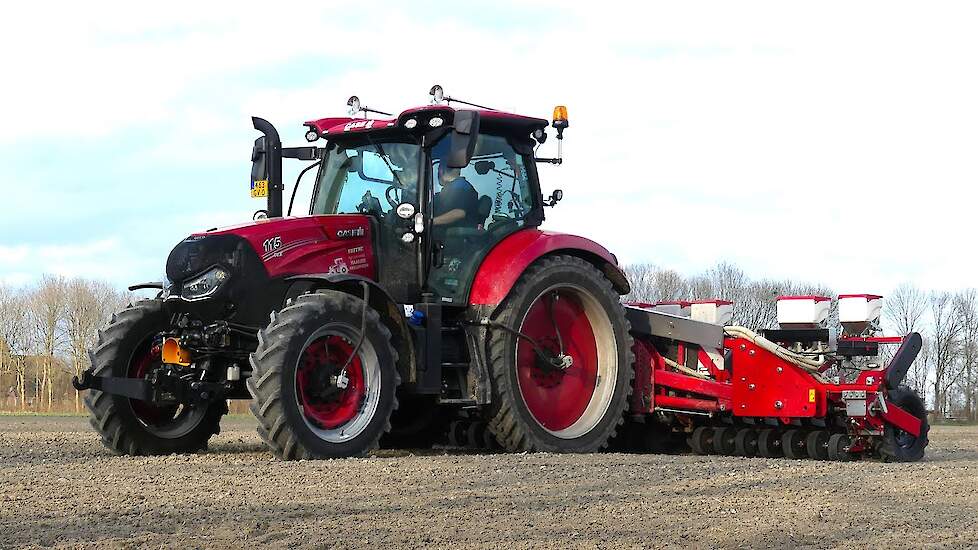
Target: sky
{"points": [[830, 142]]}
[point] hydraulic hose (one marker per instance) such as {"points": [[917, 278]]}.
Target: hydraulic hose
{"points": [[808, 364]]}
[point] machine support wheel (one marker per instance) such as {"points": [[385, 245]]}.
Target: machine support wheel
{"points": [[745, 442], [817, 445], [129, 347], [701, 441], [769, 443], [793, 444], [723, 440], [560, 356], [323, 388], [898, 445], [837, 448]]}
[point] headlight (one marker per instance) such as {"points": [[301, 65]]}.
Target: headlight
{"points": [[204, 285]]}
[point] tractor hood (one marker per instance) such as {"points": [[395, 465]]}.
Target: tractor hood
{"points": [[299, 245], [218, 272]]}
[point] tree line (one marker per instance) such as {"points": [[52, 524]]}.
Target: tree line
{"points": [[945, 372], [47, 328]]}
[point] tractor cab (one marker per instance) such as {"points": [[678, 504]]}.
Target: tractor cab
{"points": [[440, 187]]}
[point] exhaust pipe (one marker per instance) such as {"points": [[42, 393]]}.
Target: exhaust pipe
{"points": [[273, 168]]}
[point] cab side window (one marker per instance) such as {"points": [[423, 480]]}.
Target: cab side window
{"points": [[474, 208]]}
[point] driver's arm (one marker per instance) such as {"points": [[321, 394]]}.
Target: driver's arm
{"points": [[449, 217]]}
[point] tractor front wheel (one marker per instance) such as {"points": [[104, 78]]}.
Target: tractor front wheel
{"points": [[321, 387], [561, 359], [129, 347]]}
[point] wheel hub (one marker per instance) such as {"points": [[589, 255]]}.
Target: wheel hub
{"points": [[557, 397], [330, 395]]}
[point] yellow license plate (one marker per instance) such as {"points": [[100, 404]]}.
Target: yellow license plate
{"points": [[259, 189]]}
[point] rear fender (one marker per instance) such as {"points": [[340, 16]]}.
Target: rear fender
{"points": [[391, 313], [510, 257]]}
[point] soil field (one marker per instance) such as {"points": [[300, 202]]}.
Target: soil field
{"points": [[59, 486]]}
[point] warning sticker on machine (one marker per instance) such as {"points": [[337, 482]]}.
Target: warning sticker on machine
{"points": [[811, 395]]}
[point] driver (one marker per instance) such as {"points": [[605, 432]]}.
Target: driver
{"points": [[457, 204]]}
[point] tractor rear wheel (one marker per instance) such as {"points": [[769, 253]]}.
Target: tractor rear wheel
{"points": [[560, 357], [898, 445], [321, 388], [130, 347]]}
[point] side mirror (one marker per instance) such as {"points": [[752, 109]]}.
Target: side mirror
{"points": [[259, 166], [464, 134], [555, 197]]}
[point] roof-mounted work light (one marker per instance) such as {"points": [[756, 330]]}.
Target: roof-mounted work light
{"points": [[354, 104], [355, 107], [437, 94]]}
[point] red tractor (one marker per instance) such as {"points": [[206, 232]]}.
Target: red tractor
{"points": [[420, 290]]}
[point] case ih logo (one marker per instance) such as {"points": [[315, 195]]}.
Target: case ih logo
{"points": [[350, 233], [356, 125]]}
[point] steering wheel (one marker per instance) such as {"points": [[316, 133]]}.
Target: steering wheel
{"points": [[392, 201]]}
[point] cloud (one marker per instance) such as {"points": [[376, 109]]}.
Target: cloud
{"points": [[831, 144]]}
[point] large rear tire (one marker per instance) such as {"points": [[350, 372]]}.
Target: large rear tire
{"points": [[898, 445], [562, 303], [307, 405], [130, 347]]}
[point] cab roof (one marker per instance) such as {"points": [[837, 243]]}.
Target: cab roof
{"points": [[489, 119]]}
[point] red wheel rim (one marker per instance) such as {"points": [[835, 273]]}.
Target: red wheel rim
{"points": [[320, 362], [557, 399], [145, 362]]}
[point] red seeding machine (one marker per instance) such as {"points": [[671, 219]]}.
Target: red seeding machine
{"points": [[417, 299]]}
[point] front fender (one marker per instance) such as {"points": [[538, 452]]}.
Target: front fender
{"points": [[510, 257]]}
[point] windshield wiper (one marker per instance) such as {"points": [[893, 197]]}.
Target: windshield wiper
{"points": [[383, 156]]}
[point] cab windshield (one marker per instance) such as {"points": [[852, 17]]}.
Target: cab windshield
{"points": [[369, 178]]}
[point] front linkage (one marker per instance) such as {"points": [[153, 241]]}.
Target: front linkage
{"points": [[219, 349]]}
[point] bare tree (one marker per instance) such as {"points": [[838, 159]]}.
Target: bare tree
{"points": [[14, 340], [47, 307], [945, 346], [966, 307], [88, 306]]}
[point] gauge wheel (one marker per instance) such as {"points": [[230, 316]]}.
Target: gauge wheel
{"points": [[745, 442], [838, 448], [817, 445], [701, 440], [898, 445], [769, 443], [793, 444]]}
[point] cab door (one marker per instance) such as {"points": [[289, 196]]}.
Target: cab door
{"points": [[506, 203]]}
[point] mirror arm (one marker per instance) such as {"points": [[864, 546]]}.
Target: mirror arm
{"points": [[299, 179], [549, 160]]}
